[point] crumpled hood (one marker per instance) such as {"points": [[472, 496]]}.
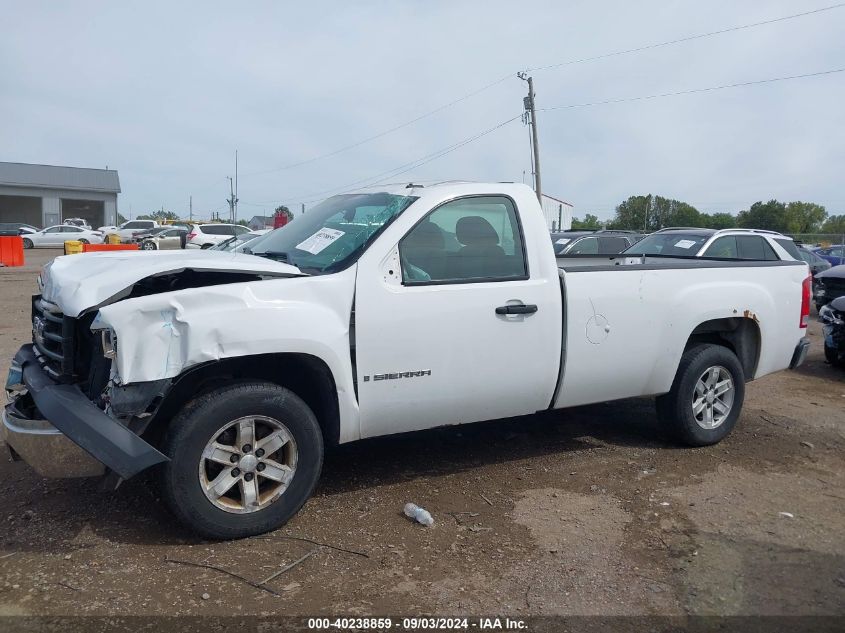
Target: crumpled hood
{"points": [[78, 282], [837, 272]]}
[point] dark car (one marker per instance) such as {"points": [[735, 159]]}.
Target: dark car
{"points": [[833, 254], [816, 263], [16, 228], [140, 236], [605, 242], [829, 285], [832, 316]]}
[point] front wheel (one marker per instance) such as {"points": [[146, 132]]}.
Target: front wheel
{"points": [[148, 246], [706, 397], [27, 243], [83, 241], [243, 460]]}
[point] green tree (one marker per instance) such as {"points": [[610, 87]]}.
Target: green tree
{"points": [[770, 215], [590, 221], [718, 221], [283, 209], [651, 213], [159, 216], [804, 217], [834, 224]]}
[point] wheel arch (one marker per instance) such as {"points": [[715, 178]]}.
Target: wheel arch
{"points": [[739, 334], [308, 376]]}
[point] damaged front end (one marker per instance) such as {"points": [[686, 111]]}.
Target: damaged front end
{"points": [[69, 414]]}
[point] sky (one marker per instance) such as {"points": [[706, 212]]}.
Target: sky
{"points": [[166, 93]]}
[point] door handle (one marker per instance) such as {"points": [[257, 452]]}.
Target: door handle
{"points": [[519, 308]]}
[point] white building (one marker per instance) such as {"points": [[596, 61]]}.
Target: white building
{"points": [[558, 213]]}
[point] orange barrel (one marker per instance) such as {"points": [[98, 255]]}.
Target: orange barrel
{"points": [[11, 250]]}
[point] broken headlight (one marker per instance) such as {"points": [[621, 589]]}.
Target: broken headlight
{"points": [[830, 316], [109, 343]]}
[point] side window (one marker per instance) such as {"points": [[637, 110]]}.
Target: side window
{"points": [[71, 229], [754, 247], [240, 230], [724, 247], [53, 229], [612, 245], [471, 239], [586, 246]]}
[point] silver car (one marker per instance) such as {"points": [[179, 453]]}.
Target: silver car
{"points": [[56, 236]]}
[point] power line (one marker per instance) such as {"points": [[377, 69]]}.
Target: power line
{"points": [[538, 68], [688, 39], [385, 132], [378, 179], [692, 91]]}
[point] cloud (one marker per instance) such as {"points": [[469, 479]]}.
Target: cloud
{"points": [[165, 92]]}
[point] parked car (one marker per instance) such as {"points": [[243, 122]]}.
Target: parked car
{"points": [[817, 264], [80, 222], [832, 315], [128, 229], [207, 235], [162, 238], [829, 285], [56, 236], [232, 372], [236, 242], [16, 228], [750, 244], [604, 242], [833, 254]]}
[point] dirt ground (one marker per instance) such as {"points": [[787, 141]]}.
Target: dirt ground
{"points": [[584, 511]]}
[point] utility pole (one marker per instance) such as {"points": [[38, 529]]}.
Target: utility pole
{"points": [[531, 119], [235, 214], [190, 208], [232, 200]]}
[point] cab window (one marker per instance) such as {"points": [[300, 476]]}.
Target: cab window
{"points": [[466, 240]]}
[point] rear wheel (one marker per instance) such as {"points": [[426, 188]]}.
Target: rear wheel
{"points": [[831, 355], [27, 243], [83, 241], [706, 396], [243, 460]]}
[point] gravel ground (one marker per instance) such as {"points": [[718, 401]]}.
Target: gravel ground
{"points": [[583, 511]]}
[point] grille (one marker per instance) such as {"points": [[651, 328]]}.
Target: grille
{"points": [[52, 335], [834, 287]]}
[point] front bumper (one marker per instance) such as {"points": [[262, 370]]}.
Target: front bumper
{"points": [[800, 353], [46, 449], [63, 410]]}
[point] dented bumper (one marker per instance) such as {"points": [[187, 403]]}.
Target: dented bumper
{"points": [[44, 416]]}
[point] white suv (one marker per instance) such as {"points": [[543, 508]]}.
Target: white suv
{"points": [[207, 235], [751, 244]]}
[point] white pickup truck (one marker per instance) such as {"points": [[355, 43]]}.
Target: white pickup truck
{"points": [[374, 313]]}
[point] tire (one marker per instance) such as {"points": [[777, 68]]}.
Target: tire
{"points": [[831, 355], [691, 385], [83, 241], [185, 479], [27, 243], [148, 246]]}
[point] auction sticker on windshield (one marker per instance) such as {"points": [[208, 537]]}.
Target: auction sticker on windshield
{"points": [[685, 243], [319, 241]]}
